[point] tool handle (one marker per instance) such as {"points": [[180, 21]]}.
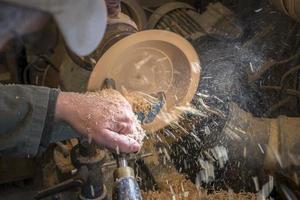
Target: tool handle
{"points": [[126, 188]]}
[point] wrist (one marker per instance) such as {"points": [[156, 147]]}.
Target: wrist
{"points": [[68, 110], [50, 118], [60, 107]]}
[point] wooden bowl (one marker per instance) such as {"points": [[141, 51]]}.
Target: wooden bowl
{"points": [[152, 61]]}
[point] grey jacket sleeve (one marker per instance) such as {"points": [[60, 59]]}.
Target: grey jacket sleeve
{"points": [[27, 120]]}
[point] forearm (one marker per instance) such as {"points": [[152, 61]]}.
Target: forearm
{"points": [[23, 115], [27, 120]]}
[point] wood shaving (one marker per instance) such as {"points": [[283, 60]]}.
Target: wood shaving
{"points": [[139, 133], [175, 186], [140, 102]]}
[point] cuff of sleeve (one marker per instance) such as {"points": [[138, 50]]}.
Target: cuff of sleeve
{"points": [[46, 135]]}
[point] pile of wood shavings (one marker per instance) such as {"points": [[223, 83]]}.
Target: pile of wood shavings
{"points": [[140, 102], [175, 186], [139, 134]]}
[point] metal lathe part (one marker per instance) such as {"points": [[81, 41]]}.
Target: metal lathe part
{"points": [[122, 162], [125, 186], [273, 143], [122, 172], [126, 189]]}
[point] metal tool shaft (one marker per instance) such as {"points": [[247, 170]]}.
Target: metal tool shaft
{"points": [[126, 186], [122, 161]]}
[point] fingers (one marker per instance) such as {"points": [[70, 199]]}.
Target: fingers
{"points": [[123, 123], [122, 127], [115, 141], [126, 116]]}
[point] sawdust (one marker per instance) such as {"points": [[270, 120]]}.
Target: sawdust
{"points": [[175, 186], [110, 95], [140, 102], [139, 134]]}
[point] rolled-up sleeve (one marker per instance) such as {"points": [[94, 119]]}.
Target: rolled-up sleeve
{"points": [[26, 119]]}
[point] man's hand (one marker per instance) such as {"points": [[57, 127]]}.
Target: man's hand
{"points": [[106, 117]]}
